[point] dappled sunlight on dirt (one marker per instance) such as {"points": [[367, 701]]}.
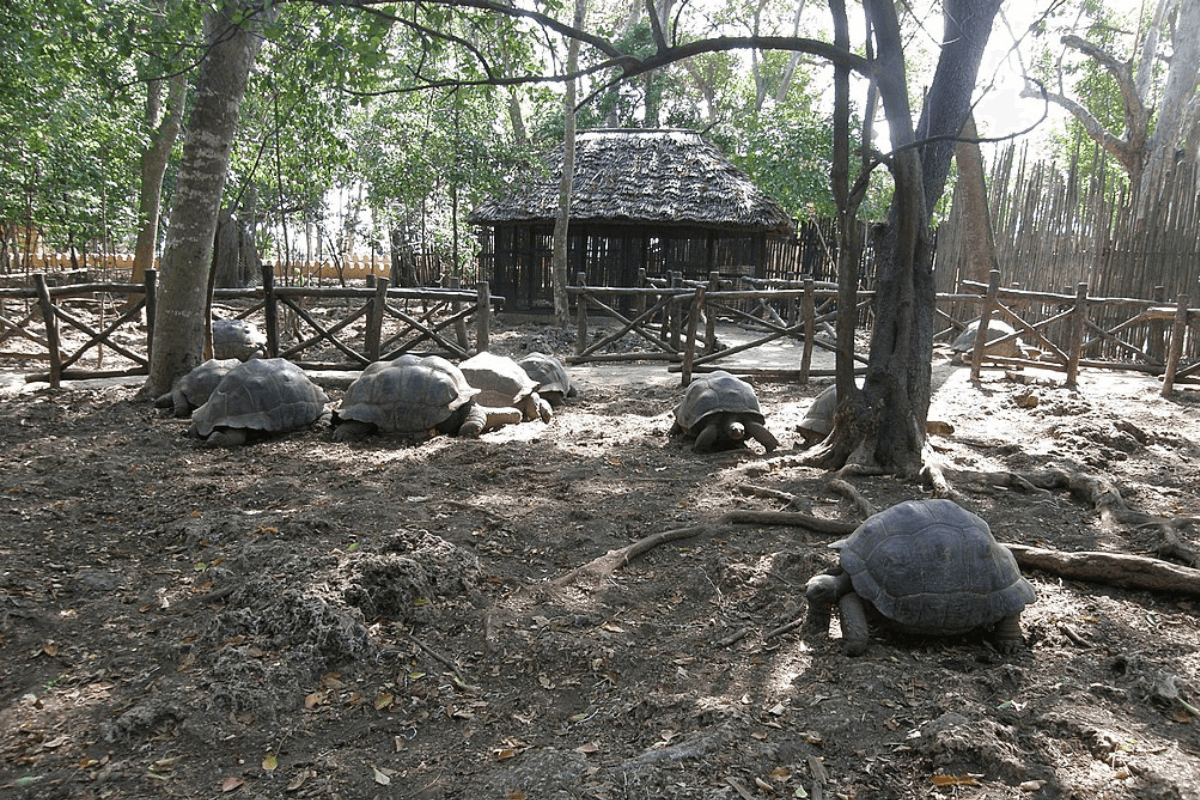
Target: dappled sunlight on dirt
{"points": [[306, 618]]}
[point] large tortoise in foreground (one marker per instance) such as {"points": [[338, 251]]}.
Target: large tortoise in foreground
{"points": [[929, 567], [259, 396], [414, 396], [721, 410]]}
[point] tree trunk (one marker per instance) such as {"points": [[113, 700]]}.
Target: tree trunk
{"points": [[178, 338], [154, 166], [886, 430], [562, 225], [971, 197]]}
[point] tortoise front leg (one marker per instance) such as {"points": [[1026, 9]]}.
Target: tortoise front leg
{"points": [[707, 437], [227, 437], [760, 434], [855, 632], [822, 592]]}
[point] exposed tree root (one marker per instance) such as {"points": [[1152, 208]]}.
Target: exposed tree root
{"points": [[1091, 489], [1114, 568], [602, 567], [1118, 569]]}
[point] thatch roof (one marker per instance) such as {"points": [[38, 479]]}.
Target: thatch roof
{"points": [[660, 177]]}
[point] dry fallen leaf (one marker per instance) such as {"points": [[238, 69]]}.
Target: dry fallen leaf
{"points": [[231, 783], [270, 762]]}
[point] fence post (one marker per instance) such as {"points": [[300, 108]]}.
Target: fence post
{"points": [[581, 319], [985, 319], [809, 310], [1157, 346], [639, 302], [460, 325], [675, 311], [1178, 332], [270, 310], [689, 350], [151, 304], [47, 304], [373, 336], [483, 317], [1075, 343], [710, 319]]}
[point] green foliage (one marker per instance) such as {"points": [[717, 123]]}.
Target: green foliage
{"points": [[72, 113], [1086, 81]]}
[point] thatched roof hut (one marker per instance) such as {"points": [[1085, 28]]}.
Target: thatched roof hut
{"points": [[659, 200]]}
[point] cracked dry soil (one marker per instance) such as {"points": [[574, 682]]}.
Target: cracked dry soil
{"points": [[301, 618]]}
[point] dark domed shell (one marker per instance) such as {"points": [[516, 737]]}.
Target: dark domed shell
{"points": [[237, 338], [717, 393], [548, 373], [934, 567], [407, 395], [270, 394]]}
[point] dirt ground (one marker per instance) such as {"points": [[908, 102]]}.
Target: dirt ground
{"points": [[303, 618]]}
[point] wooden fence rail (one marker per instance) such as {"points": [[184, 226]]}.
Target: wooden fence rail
{"points": [[323, 268]]}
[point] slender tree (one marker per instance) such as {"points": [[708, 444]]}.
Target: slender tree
{"points": [[233, 37], [562, 225]]}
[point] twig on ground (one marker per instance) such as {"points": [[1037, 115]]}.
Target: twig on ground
{"points": [[839, 486]]}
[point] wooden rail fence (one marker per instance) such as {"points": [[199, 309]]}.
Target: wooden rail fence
{"points": [[323, 268], [375, 322], [1149, 337], [673, 322]]}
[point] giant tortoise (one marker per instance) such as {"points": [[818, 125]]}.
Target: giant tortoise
{"points": [[929, 567], [1001, 341], [237, 338], [553, 383], [259, 396], [414, 396], [503, 384], [721, 410], [193, 389]]}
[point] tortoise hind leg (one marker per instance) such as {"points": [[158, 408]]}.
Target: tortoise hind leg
{"points": [[1007, 634]]}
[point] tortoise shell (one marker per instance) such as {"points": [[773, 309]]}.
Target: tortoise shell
{"points": [[237, 338], [262, 394], [934, 567], [1013, 348], [408, 395], [193, 389], [716, 393], [500, 380], [549, 374]]}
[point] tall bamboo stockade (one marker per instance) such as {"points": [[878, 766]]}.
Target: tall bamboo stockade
{"points": [[1056, 229]]}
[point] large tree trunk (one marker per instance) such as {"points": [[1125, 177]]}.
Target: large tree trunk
{"points": [[179, 330], [884, 427]]}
